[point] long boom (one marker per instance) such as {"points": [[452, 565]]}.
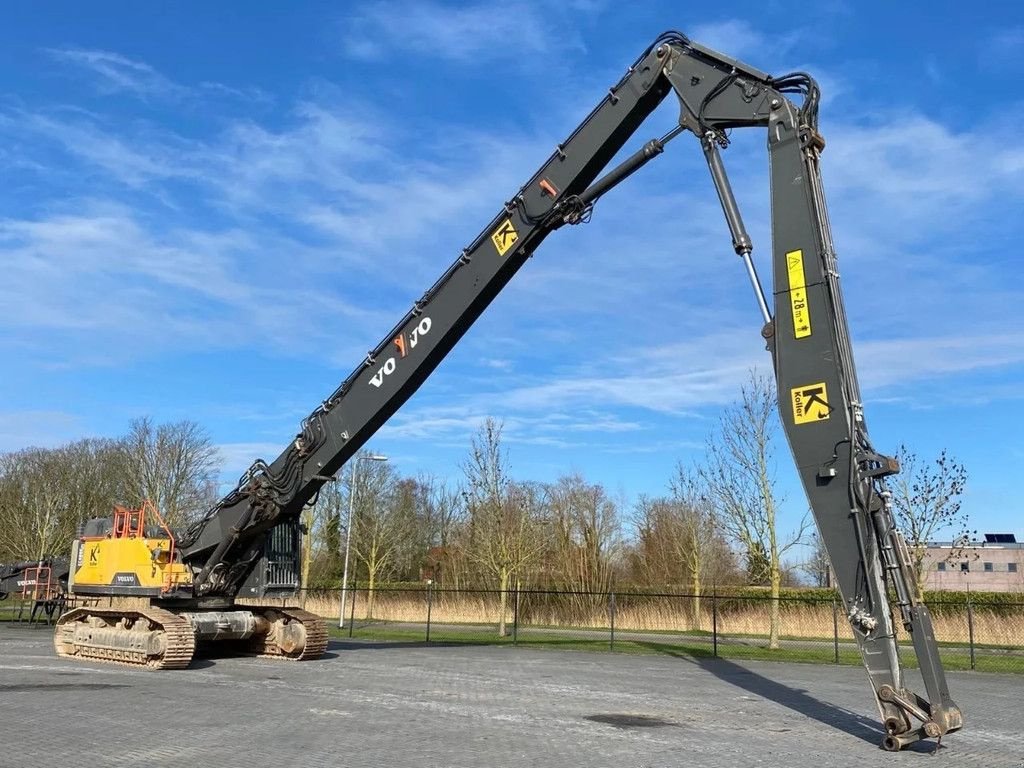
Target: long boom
{"points": [[805, 330], [228, 537]]}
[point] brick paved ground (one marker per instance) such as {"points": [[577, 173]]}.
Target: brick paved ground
{"points": [[399, 706]]}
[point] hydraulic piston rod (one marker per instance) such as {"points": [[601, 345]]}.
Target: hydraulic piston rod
{"points": [[628, 167], [741, 241]]}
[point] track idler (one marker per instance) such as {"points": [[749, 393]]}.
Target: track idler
{"points": [[290, 633]]}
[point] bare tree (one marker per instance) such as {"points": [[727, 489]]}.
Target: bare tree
{"points": [[503, 516], [584, 533], [382, 521], [92, 474], [306, 528], [172, 465], [322, 541], [34, 504], [698, 542], [817, 566], [926, 501], [440, 514], [740, 479], [651, 560], [679, 540], [46, 493]]}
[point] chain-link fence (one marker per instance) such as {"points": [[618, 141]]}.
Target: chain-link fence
{"points": [[22, 610], [972, 635]]}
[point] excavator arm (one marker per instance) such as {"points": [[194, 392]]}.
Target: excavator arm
{"points": [[805, 329], [227, 541]]}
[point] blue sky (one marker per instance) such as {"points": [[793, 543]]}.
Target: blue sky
{"points": [[211, 211]]}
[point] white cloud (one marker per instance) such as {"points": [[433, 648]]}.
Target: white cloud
{"points": [[133, 160], [113, 73], [684, 382], [739, 39], [251, 271], [248, 93], [236, 458], [896, 362], [911, 168], [102, 274], [689, 378], [452, 423], [310, 248], [1001, 51], [460, 33]]}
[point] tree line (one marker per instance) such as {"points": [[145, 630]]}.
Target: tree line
{"points": [[714, 523], [46, 493]]}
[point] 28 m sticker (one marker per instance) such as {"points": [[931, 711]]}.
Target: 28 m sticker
{"points": [[798, 294], [810, 403]]}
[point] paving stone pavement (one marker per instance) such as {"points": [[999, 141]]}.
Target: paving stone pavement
{"points": [[401, 705]]}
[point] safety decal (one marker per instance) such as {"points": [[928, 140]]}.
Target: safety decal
{"points": [[798, 294], [810, 403], [504, 237]]}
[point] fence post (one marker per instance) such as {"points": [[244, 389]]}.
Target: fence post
{"points": [[430, 595], [515, 616], [352, 617], [714, 622], [970, 627], [611, 616], [835, 629]]}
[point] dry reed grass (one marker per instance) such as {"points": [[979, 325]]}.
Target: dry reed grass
{"points": [[652, 614]]}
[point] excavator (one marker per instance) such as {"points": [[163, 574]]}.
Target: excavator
{"points": [[39, 586], [43, 578], [167, 590]]}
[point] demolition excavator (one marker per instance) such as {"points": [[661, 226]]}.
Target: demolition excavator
{"points": [[38, 586], [43, 579], [187, 586]]}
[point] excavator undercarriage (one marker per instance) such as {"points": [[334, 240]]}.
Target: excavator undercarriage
{"points": [[160, 638]]}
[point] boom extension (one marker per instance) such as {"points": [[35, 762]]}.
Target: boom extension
{"points": [[807, 335]]}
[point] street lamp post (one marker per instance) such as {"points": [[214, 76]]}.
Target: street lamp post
{"points": [[348, 530]]}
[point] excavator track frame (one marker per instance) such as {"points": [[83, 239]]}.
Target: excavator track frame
{"points": [[94, 634], [113, 635]]}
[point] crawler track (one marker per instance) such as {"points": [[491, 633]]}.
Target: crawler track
{"points": [[147, 637], [283, 642], [155, 638]]}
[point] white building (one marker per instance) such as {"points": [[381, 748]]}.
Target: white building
{"points": [[993, 565]]}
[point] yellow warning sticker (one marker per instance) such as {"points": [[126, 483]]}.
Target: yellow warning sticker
{"points": [[810, 403], [798, 294], [504, 237]]}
